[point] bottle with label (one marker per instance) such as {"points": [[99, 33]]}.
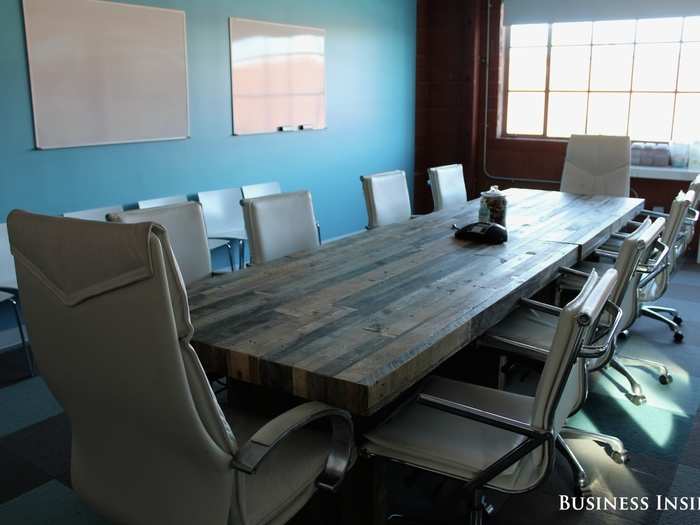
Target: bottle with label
{"points": [[493, 206]]}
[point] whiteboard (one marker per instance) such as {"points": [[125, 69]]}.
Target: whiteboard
{"points": [[105, 73], [278, 77]]}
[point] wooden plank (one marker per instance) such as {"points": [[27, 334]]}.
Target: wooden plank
{"points": [[361, 320]]}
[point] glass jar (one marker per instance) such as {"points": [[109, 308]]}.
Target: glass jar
{"points": [[493, 206]]}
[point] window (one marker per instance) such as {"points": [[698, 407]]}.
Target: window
{"points": [[623, 77]]}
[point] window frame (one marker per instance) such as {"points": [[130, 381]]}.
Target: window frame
{"points": [[503, 117]]}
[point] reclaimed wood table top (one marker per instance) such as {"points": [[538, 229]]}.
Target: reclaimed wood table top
{"points": [[363, 319]]}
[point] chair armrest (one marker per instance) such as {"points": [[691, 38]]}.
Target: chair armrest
{"points": [[660, 263], [620, 235], [10, 290], [535, 437], [652, 213], [482, 416], [595, 351], [251, 454], [542, 307], [574, 272], [606, 253]]}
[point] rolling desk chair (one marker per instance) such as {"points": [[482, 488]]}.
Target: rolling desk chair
{"points": [[492, 438], [186, 232], [280, 225], [597, 165], [223, 216], [641, 257], [386, 197], [448, 187], [143, 455]]}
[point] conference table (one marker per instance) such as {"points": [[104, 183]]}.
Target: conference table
{"points": [[365, 318]]}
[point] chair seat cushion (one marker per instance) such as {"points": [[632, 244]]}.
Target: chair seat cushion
{"points": [[571, 282], [286, 478], [524, 325], [456, 446]]}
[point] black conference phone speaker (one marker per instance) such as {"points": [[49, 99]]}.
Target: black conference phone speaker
{"points": [[482, 232]]}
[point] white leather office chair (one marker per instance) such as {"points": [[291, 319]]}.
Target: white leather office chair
{"points": [[94, 214], [688, 227], [493, 438], [597, 165], [162, 201], [253, 191], [186, 232], [8, 291], [448, 187], [144, 455], [280, 225], [641, 257], [386, 197], [655, 289], [223, 216]]}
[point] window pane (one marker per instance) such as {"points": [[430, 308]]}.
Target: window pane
{"points": [[686, 127], [607, 113], [529, 35], [566, 114], [659, 30], [569, 68], [527, 68], [691, 30], [651, 116], [611, 69], [525, 114], [572, 33], [656, 67], [614, 32], [689, 74]]}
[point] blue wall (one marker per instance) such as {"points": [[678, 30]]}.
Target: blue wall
{"points": [[370, 69]]}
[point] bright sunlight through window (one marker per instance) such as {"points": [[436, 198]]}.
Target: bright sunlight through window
{"points": [[625, 77]]}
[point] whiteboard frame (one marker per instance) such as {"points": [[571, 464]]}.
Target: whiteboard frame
{"points": [[230, 55], [35, 119]]}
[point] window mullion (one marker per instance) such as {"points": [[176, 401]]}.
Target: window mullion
{"points": [[546, 84]]}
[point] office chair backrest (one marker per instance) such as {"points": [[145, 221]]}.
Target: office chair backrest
{"points": [[94, 214], [280, 225], [187, 234], [597, 165], [253, 191], [647, 240], [556, 395], [7, 263], [695, 186], [447, 185], [676, 216], [386, 197], [109, 322], [222, 210], [162, 201]]}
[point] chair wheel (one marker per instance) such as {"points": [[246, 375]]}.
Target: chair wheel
{"points": [[665, 379], [637, 399], [677, 319], [678, 337], [620, 457]]}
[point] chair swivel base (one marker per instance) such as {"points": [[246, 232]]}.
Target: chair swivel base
{"points": [[674, 323]]}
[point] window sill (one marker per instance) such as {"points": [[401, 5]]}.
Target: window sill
{"points": [[659, 173]]}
